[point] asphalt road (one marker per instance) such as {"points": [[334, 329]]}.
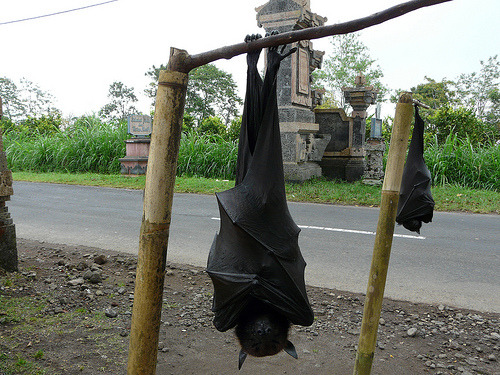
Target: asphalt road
{"points": [[455, 262]]}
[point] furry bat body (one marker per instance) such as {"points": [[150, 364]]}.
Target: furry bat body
{"points": [[255, 262]]}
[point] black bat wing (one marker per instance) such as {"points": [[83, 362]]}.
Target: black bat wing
{"points": [[415, 199], [256, 252]]}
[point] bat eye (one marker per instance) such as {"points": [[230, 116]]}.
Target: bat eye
{"points": [[264, 331]]}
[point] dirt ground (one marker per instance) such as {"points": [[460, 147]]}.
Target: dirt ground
{"points": [[68, 311]]}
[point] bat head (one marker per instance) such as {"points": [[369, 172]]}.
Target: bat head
{"points": [[413, 225], [262, 331]]}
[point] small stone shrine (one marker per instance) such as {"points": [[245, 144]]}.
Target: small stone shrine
{"points": [[137, 148], [8, 245], [302, 145], [375, 148], [344, 157]]}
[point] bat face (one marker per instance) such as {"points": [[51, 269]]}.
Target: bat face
{"points": [[414, 225], [261, 330]]}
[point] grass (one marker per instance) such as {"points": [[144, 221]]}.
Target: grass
{"points": [[10, 365], [460, 162], [447, 197]]}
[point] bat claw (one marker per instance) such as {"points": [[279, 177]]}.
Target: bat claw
{"points": [[241, 358]]}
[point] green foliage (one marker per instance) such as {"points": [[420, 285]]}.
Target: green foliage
{"points": [[233, 132], [24, 99], [459, 161], [469, 107], [188, 122], [87, 146], [479, 91], [212, 125], [205, 155], [6, 124], [211, 92], [43, 125], [121, 102], [154, 74], [39, 354], [462, 123], [349, 57], [435, 94]]}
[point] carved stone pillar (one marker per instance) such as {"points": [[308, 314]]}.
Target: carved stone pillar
{"points": [[302, 146], [8, 246]]}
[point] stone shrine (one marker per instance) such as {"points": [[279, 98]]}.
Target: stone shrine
{"points": [[137, 147], [8, 245], [302, 146], [375, 148], [344, 157]]}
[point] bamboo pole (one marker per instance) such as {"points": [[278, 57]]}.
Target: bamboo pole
{"points": [[158, 195], [383, 238]]}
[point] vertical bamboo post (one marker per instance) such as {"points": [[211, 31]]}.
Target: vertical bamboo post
{"points": [[383, 238], [158, 195]]}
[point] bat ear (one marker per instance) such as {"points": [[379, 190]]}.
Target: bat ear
{"points": [[241, 358], [290, 349]]}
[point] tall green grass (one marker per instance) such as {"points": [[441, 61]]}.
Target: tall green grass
{"points": [[91, 146], [209, 156], [459, 162]]}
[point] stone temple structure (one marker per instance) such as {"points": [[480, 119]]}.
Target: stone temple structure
{"points": [[302, 146], [315, 142]]}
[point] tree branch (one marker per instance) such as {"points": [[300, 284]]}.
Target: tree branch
{"points": [[181, 61]]}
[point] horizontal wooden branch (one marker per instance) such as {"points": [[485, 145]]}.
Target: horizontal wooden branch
{"points": [[181, 61]]}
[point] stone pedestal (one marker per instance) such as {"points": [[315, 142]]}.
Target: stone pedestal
{"points": [[374, 170], [8, 244], [136, 159], [301, 143]]}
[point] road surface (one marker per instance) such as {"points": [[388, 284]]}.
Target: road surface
{"points": [[456, 260]]}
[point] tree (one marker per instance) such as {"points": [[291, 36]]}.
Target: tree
{"points": [[462, 122], [479, 91], [212, 125], [350, 56], [211, 92], [9, 93], [233, 131], [24, 100], [435, 94], [121, 104], [154, 74]]}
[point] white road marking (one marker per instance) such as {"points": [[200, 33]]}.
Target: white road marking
{"points": [[350, 231]]}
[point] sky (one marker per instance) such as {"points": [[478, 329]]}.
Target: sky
{"points": [[75, 56]]}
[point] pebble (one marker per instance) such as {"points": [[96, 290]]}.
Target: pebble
{"points": [[101, 259], [111, 313], [82, 266], [411, 332], [75, 282], [95, 278]]}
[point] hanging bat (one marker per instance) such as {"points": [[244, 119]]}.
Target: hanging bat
{"points": [[416, 204], [255, 262]]}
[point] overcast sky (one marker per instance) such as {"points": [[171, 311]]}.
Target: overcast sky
{"points": [[77, 55]]}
